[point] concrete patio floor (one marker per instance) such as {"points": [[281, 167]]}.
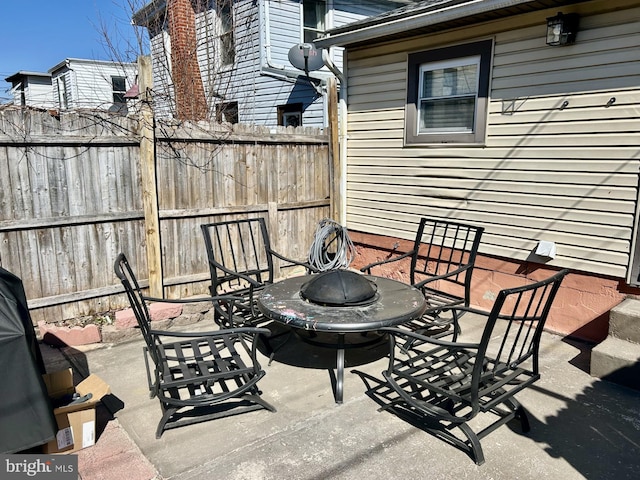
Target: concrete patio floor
{"points": [[581, 427]]}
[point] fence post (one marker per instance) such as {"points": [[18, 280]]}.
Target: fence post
{"points": [[335, 171], [149, 179], [274, 238]]}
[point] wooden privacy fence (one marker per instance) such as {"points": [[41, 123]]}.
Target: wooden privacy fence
{"points": [[73, 195]]}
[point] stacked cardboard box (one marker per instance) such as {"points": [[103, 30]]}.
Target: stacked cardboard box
{"points": [[76, 420]]}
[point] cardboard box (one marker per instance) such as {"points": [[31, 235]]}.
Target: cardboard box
{"points": [[76, 422]]}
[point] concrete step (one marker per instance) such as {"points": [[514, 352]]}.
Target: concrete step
{"points": [[617, 361], [617, 358], [624, 320]]}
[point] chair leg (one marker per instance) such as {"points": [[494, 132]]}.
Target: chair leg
{"points": [[474, 443], [274, 350], [520, 414], [168, 413], [260, 401]]}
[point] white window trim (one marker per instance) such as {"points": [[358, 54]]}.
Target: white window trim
{"points": [[328, 18], [442, 65]]}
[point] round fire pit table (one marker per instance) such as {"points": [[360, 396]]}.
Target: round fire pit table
{"points": [[393, 303]]}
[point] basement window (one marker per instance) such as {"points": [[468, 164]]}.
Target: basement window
{"points": [[290, 115]]}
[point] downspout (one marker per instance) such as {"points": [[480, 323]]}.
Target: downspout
{"points": [[264, 22], [342, 135]]}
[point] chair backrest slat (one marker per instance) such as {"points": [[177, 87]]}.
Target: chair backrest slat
{"points": [[241, 246], [441, 247], [516, 321]]}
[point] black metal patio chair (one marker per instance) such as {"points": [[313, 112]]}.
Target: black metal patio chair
{"points": [[441, 264], [196, 376], [241, 263], [443, 385]]}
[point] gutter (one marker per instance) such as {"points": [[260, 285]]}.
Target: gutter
{"points": [[413, 21], [264, 26]]}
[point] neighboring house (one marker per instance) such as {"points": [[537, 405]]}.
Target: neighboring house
{"points": [[461, 110], [90, 84], [31, 89], [241, 70]]}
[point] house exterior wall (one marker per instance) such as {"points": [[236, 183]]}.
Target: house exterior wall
{"points": [[563, 175], [88, 82], [262, 77], [567, 175], [32, 91]]}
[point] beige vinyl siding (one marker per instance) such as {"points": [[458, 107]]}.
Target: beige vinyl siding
{"points": [[546, 172]]}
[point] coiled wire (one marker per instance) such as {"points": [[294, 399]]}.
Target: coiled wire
{"points": [[331, 247]]}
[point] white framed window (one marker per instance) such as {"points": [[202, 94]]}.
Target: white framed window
{"points": [[447, 94], [314, 14], [226, 43]]}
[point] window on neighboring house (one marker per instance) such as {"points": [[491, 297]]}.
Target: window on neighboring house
{"points": [[313, 14], [63, 98], [227, 43], [227, 112], [118, 85], [290, 115], [447, 94]]}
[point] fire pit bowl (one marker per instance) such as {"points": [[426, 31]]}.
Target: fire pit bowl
{"points": [[339, 288]]}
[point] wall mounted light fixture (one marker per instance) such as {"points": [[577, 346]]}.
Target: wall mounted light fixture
{"points": [[562, 29]]}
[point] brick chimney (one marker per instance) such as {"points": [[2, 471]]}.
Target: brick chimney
{"points": [[191, 103]]}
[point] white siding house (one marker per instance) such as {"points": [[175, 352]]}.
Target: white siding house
{"points": [[81, 83], [552, 153], [31, 89], [247, 77]]}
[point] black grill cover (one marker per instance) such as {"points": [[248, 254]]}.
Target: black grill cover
{"points": [[339, 288], [26, 415]]}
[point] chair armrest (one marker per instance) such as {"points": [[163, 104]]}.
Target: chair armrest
{"points": [[413, 337], [216, 333], [367, 268], [220, 298], [457, 308], [217, 301], [442, 276], [235, 274], [295, 262]]}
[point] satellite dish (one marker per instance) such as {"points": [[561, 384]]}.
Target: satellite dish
{"points": [[305, 56]]}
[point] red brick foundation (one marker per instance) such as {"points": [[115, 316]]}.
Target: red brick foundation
{"points": [[581, 308]]}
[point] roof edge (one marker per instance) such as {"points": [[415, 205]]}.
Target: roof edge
{"points": [[26, 73], [422, 17], [149, 12]]}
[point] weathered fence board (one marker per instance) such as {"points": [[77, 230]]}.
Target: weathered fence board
{"points": [[71, 200]]}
